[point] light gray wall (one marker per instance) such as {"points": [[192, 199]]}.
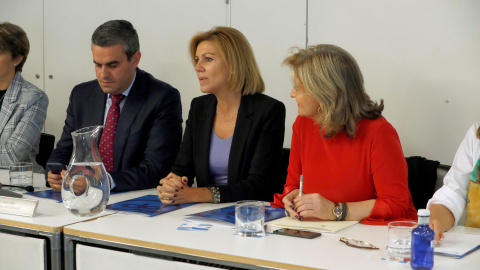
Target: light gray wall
{"points": [[421, 57]]}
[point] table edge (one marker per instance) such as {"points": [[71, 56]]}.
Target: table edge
{"points": [[184, 250]]}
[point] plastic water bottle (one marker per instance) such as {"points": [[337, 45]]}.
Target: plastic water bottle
{"points": [[422, 243]]}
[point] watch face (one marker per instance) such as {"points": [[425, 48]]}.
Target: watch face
{"points": [[337, 211]]}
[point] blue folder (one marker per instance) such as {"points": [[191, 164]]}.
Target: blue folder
{"points": [[148, 204], [228, 214]]}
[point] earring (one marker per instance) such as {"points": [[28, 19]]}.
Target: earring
{"points": [[318, 110]]}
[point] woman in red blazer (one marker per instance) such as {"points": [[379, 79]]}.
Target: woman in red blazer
{"points": [[350, 157]]}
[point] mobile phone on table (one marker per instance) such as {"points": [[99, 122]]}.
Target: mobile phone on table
{"points": [[298, 233], [55, 168]]}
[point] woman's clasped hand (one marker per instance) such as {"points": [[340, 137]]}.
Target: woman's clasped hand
{"points": [[174, 189]]}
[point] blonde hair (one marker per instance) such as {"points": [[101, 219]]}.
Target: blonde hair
{"points": [[237, 53], [332, 76]]}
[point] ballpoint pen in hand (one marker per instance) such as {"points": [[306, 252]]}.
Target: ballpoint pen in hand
{"points": [[301, 186], [299, 194]]}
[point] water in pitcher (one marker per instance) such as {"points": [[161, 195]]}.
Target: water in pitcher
{"points": [[85, 189]]}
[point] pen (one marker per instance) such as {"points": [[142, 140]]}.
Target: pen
{"points": [[301, 186]]}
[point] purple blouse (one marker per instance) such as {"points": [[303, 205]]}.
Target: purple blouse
{"points": [[218, 161]]}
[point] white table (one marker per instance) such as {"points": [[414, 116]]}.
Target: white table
{"points": [[43, 230], [135, 235]]}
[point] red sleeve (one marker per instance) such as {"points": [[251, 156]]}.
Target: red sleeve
{"points": [[390, 178], [294, 166]]}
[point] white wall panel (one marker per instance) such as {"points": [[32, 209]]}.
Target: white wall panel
{"points": [[421, 57], [164, 29], [272, 27], [28, 14]]}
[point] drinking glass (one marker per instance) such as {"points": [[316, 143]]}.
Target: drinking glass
{"points": [[399, 240], [250, 218], [21, 174]]}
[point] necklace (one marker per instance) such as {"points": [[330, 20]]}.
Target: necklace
{"points": [[228, 119], [232, 113], [2, 97]]}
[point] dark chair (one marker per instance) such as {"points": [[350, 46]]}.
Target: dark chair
{"points": [[442, 170], [424, 178], [45, 148], [281, 172]]}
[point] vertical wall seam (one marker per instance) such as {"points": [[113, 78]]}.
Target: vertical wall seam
{"points": [[229, 13], [306, 25], [43, 61]]}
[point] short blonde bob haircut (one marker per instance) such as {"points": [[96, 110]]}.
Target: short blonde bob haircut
{"points": [[332, 76], [237, 53]]}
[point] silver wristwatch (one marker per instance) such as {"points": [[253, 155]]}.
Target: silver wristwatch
{"points": [[216, 195]]}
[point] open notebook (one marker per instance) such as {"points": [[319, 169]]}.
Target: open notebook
{"points": [[317, 226], [459, 242]]}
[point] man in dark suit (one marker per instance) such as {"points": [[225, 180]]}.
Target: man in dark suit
{"points": [[148, 133]]}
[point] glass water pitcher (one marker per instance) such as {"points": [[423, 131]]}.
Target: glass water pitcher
{"points": [[85, 187]]}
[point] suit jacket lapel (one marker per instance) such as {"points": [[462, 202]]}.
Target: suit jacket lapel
{"points": [[96, 102], [205, 129], [129, 112], [240, 136]]}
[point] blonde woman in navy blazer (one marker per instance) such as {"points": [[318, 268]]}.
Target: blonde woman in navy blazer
{"points": [[234, 109]]}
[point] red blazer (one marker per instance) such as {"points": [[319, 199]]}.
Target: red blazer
{"points": [[369, 166]]}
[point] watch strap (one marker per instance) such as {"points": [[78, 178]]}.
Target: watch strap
{"points": [[216, 194], [344, 212]]}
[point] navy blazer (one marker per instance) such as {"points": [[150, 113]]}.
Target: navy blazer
{"points": [[148, 135], [255, 152]]}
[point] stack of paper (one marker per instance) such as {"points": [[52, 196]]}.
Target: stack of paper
{"points": [[317, 226], [459, 242]]}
